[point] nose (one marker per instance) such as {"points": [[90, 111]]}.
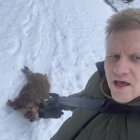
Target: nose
{"points": [[121, 66]]}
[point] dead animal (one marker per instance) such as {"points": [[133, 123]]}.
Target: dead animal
{"points": [[32, 94]]}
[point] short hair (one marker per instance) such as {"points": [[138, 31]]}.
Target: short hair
{"points": [[125, 20]]}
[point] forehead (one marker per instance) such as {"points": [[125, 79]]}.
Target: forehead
{"points": [[124, 39]]}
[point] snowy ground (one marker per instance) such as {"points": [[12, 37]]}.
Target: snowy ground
{"points": [[62, 38]]}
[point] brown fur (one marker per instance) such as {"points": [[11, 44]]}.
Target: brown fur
{"points": [[32, 94]]}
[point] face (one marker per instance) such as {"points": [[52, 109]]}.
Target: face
{"points": [[122, 65]]}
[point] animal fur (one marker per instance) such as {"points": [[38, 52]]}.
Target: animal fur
{"points": [[32, 94]]}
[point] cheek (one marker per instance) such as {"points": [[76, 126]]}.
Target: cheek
{"points": [[134, 76], [136, 81]]}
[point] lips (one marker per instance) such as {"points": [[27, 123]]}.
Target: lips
{"points": [[120, 84]]}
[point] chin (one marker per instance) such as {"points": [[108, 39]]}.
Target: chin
{"points": [[122, 100], [120, 96]]}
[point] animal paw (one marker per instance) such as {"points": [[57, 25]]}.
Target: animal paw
{"points": [[11, 104], [26, 69]]}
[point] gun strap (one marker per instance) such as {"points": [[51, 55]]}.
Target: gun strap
{"points": [[98, 104], [80, 102], [94, 104]]}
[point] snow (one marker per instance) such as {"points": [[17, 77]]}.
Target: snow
{"points": [[62, 38]]}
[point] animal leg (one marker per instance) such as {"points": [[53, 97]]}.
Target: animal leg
{"points": [[12, 104]]}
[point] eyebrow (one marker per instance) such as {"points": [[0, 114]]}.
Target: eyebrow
{"points": [[135, 50]]}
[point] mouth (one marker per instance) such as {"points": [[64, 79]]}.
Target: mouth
{"points": [[120, 84]]}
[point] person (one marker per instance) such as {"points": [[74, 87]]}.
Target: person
{"points": [[118, 80]]}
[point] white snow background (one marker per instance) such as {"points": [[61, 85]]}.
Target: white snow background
{"points": [[62, 38]]}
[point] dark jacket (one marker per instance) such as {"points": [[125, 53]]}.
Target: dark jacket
{"points": [[94, 125]]}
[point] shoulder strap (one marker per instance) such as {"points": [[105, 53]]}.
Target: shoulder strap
{"points": [[98, 104], [93, 104], [80, 102]]}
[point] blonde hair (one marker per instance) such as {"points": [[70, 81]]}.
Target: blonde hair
{"points": [[128, 19]]}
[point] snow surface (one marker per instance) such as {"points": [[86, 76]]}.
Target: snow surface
{"points": [[62, 38]]}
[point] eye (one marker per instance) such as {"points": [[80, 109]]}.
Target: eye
{"points": [[135, 58], [112, 58]]}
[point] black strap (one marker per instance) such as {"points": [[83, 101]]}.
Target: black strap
{"points": [[98, 104], [80, 102], [53, 106]]}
